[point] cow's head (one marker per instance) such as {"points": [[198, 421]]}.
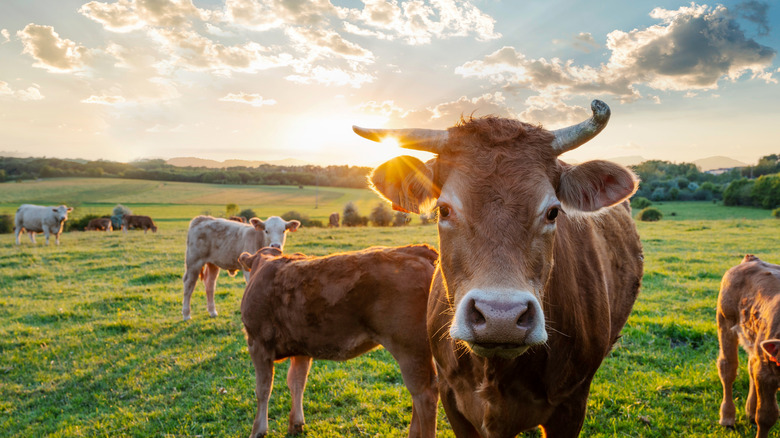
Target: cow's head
{"points": [[499, 189], [273, 230], [61, 212]]}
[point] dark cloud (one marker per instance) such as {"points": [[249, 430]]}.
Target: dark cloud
{"points": [[756, 12]]}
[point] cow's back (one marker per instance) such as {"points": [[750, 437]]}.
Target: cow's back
{"points": [[218, 241], [748, 288], [34, 217]]}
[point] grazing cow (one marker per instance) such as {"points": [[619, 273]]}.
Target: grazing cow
{"points": [[532, 289], [214, 243], [338, 307], [39, 219], [99, 224], [333, 220], [137, 221], [241, 219], [749, 314]]}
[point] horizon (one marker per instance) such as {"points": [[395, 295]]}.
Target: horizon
{"points": [[263, 80]]}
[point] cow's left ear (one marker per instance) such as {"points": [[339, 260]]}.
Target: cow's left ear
{"points": [[257, 223], [292, 225], [771, 347], [407, 183], [595, 184], [70, 209], [246, 260]]}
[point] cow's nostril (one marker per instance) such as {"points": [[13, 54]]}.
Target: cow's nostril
{"points": [[476, 317], [525, 317], [276, 245]]}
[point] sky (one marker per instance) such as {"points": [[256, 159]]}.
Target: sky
{"points": [[274, 79]]}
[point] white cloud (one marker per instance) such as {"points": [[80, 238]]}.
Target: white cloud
{"points": [[6, 36], [104, 100], [329, 76], [252, 99], [52, 52], [116, 17], [28, 94], [441, 115]]}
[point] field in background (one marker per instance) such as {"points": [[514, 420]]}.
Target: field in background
{"points": [[92, 342]]}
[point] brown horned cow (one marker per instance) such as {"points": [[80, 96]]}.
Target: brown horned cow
{"points": [[749, 314], [99, 224], [532, 289], [137, 221], [338, 307]]}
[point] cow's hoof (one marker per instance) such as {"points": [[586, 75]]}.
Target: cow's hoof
{"points": [[186, 317], [294, 429], [213, 314], [727, 423]]}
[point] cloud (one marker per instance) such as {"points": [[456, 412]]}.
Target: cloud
{"points": [[116, 17], [252, 99], [329, 76], [104, 100], [756, 12], [29, 94], [693, 48], [6, 36], [584, 41], [51, 52], [128, 15], [442, 115], [418, 22]]}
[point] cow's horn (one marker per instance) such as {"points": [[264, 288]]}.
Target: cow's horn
{"points": [[572, 137], [429, 140]]}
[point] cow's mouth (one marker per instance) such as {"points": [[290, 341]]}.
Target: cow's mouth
{"points": [[503, 350]]}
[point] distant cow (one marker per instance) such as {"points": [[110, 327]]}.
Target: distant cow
{"points": [[338, 307], [540, 266], [333, 220], [241, 219], [39, 219], [99, 224], [137, 221], [215, 243], [749, 314]]}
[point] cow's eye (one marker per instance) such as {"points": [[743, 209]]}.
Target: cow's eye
{"points": [[552, 213], [444, 211]]}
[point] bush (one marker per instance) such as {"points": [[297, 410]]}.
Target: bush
{"points": [[247, 214], [350, 217], [79, 224], [639, 202], [118, 214], [775, 213], [302, 218], [231, 210], [381, 215], [738, 192], [650, 214], [766, 191], [658, 194], [6, 224], [428, 218], [400, 219]]}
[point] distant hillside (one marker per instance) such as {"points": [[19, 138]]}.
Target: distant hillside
{"points": [[718, 162], [632, 160], [213, 164]]}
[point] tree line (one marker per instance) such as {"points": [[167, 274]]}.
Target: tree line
{"points": [[18, 169]]}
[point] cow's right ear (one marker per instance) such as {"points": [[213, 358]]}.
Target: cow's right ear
{"points": [[246, 260], [407, 183], [257, 223], [772, 347]]}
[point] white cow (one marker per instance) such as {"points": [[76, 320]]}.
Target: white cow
{"points": [[40, 219], [214, 243]]}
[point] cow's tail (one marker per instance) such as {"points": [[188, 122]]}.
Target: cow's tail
{"points": [[202, 273]]}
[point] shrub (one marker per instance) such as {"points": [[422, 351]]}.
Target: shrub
{"points": [[231, 210], [302, 218], [428, 218], [381, 215], [776, 213], [79, 224], [738, 192], [400, 219], [118, 214], [350, 216], [640, 202], [247, 214], [658, 194], [6, 224], [766, 191], [650, 214]]}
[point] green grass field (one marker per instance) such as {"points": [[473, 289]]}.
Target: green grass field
{"points": [[92, 342]]}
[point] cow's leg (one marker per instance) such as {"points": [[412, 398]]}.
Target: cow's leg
{"points": [[461, 426], [57, 239], [569, 416], [32, 236], [264, 380], [752, 399], [210, 275], [18, 230], [46, 233], [296, 381], [728, 363], [246, 276], [766, 411], [419, 376], [190, 280]]}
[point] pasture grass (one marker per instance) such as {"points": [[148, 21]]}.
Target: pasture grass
{"points": [[92, 342]]}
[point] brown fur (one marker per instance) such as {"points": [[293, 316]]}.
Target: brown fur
{"points": [[586, 272], [241, 219], [99, 224], [338, 307], [136, 221], [749, 315], [333, 220]]}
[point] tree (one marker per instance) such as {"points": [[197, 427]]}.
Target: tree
{"points": [[350, 217], [231, 210], [118, 214], [381, 215], [738, 192]]}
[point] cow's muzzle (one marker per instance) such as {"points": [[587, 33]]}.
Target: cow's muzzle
{"points": [[276, 245], [501, 323]]}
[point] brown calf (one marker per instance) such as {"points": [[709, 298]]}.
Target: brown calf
{"points": [[241, 219], [99, 224], [333, 220], [749, 314], [136, 221], [336, 308]]}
